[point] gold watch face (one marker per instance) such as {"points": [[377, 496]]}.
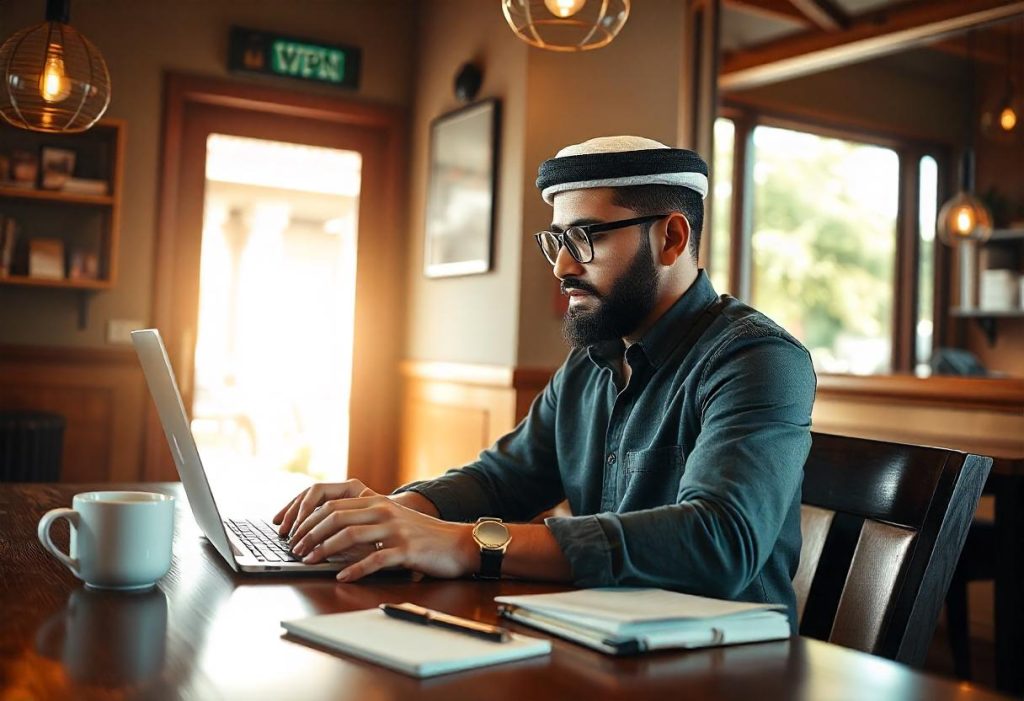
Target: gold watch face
{"points": [[491, 534]]}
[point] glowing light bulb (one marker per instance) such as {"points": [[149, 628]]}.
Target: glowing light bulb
{"points": [[963, 220], [54, 85], [1007, 119], [564, 8]]}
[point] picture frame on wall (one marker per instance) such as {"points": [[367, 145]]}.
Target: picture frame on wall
{"points": [[461, 186]]}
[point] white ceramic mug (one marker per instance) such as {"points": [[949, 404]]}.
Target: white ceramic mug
{"points": [[119, 540]]}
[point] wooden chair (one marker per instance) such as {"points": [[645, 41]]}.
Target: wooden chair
{"points": [[883, 525], [977, 563]]}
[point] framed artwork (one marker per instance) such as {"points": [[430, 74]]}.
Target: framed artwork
{"points": [[461, 183]]}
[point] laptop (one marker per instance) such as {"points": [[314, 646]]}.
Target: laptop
{"points": [[247, 544]]}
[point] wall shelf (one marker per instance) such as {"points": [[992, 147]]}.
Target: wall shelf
{"points": [[82, 227], [64, 283], [987, 319], [17, 193]]}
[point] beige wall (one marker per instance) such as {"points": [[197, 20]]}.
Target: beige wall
{"points": [[472, 318], [140, 41], [629, 87], [549, 100]]}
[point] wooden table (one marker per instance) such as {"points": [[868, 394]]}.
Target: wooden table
{"points": [[206, 633]]}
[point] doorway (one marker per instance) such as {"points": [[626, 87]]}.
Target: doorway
{"points": [[277, 264], [278, 280]]}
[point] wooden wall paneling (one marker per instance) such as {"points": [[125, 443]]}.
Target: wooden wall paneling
{"points": [[528, 384], [984, 416], [450, 412], [99, 392]]}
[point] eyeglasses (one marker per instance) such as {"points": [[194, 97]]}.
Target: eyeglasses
{"points": [[578, 240]]}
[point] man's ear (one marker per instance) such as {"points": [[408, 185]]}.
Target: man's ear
{"points": [[677, 239]]}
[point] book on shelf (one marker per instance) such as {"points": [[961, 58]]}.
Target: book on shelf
{"points": [[8, 236], [85, 186], [628, 620], [46, 258]]}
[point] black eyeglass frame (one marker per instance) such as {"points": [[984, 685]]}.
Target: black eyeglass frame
{"points": [[588, 231]]}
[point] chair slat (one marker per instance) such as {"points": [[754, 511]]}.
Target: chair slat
{"points": [[814, 525], [874, 574]]}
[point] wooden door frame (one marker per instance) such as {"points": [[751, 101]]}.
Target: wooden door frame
{"points": [[373, 452]]}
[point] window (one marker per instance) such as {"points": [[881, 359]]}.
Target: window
{"points": [[820, 243]]}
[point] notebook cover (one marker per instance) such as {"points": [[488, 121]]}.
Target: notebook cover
{"points": [[410, 648], [633, 610]]}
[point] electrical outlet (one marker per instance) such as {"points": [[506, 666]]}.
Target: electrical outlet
{"points": [[120, 330]]}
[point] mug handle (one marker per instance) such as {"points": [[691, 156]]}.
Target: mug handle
{"points": [[44, 534]]}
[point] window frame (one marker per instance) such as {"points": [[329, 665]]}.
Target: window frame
{"points": [[909, 150]]}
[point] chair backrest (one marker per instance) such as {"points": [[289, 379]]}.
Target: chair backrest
{"points": [[883, 525]]}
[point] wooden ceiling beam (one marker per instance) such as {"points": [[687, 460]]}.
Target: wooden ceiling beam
{"points": [[980, 53], [770, 9], [868, 36], [825, 14]]}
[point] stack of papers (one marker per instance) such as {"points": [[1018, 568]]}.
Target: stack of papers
{"points": [[625, 620], [410, 648]]}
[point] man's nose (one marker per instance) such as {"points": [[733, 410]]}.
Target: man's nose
{"points": [[566, 266]]}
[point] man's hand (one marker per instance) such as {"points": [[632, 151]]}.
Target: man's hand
{"points": [[330, 519]]}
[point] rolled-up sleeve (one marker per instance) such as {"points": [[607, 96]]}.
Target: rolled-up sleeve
{"points": [[740, 483]]}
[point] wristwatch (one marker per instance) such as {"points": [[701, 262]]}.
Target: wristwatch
{"points": [[493, 538]]}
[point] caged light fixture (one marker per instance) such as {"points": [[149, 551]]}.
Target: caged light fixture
{"points": [[566, 25], [53, 78]]}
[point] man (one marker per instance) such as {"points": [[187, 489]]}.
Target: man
{"points": [[677, 427]]}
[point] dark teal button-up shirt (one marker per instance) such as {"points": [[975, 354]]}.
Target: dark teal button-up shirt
{"points": [[688, 478]]}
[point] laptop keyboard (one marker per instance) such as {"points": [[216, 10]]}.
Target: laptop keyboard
{"points": [[262, 540]]}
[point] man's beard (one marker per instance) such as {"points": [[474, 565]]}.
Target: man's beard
{"points": [[619, 312]]}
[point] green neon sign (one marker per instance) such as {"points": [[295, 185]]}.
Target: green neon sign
{"points": [[264, 53]]}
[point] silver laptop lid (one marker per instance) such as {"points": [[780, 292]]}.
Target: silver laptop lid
{"points": [[156, 366]]}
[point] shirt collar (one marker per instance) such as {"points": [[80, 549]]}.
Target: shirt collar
{"points": [[667, 332]]}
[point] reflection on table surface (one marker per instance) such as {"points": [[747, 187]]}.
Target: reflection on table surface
{"points": [[206, 632]]}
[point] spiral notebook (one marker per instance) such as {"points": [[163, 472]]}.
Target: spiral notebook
{"points": [[410, 648]]}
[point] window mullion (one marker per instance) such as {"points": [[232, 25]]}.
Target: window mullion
{"points": [[905, 270], [740, 264]]}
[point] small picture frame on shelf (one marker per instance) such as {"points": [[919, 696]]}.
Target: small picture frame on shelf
{"points": [[24, 169], [83, 264], [58, 164]]}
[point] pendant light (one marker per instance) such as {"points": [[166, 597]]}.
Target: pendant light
{"points": [[965, 217], [54, 79], [566, 25], [1002, 120]]}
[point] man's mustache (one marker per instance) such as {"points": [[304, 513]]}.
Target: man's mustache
{"points": [[571, 283]]}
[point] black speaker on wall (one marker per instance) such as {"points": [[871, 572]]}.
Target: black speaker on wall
{"points": [[467, 82]]}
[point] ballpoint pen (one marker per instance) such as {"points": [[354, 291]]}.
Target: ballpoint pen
{"points": [[424, 616]]}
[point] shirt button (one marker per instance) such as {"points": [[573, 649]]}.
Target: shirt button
{"points": [[611, 458]]}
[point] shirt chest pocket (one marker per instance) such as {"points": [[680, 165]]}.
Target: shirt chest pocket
{"points": [[650, 478]]}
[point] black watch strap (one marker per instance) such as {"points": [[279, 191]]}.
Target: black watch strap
{"points": [[490, 564]]}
